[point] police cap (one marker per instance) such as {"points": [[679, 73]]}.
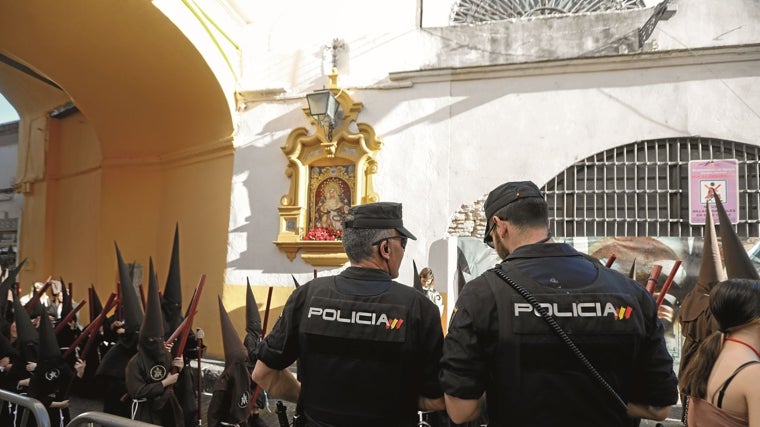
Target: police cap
{"points": [[381, 215], [502, 196]]}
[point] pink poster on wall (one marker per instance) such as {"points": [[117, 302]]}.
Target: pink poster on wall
{"points": [[709, 179]]}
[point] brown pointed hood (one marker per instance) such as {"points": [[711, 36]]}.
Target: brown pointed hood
{"points": [[738, 264], [131, 306], [694, 315], [171, 302], [711, 268]]}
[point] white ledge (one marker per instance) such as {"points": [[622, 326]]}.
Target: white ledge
{"points": [[641, 60]]}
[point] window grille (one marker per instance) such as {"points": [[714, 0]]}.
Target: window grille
{"points": [[473, 11], [641, 189]]}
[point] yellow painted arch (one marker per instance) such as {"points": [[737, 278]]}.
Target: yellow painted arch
{"points": [[151, 145]]}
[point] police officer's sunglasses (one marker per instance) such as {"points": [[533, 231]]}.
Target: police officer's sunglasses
{"points": [[488, 239], [402, 239]]}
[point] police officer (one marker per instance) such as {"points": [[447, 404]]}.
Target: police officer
{"points": [[368, 348], [497, 344]]}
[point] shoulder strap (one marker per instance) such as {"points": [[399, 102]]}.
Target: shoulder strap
{"points": [[721, 391], [554, 326]]}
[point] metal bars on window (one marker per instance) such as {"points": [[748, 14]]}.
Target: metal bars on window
{"points": [[641, 189], [473, 11]]}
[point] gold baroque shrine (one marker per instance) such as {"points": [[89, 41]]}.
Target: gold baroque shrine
{"points": [[327, 177]]}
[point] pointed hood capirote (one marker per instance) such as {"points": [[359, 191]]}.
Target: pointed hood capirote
{"points": [[234, 350], [49, 349], [738, 264], [632, 271], [711, 268], [28, 338], [252, 316], [417, 279], [66, 304], [694, 315], [52, 374], [96, 306], [8, 283], [172, 296], [235, 380], [153, 322], [150, 343], [131, 306]]}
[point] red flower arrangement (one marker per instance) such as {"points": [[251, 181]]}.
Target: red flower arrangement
{"points": [[321, 233]]}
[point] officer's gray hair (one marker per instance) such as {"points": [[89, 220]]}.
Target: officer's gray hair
{"points": [[358, 241]]}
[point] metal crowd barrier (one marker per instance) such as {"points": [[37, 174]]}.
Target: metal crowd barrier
{"points": [[27, 405], [106, 420], [34, 406]]}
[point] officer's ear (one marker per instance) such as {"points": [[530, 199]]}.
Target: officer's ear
{"points": [[385, 250], [497, 221]]}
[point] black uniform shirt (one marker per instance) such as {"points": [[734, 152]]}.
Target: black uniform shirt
{"points": [[367, 348], [530, 377]]}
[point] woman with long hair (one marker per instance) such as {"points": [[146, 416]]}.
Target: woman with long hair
{"points": [[722, 380]]}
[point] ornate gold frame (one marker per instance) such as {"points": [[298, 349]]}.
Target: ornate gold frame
{"points": [[304, 151]]}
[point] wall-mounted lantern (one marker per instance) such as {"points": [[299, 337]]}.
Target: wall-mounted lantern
{"points": [[324, 108]]}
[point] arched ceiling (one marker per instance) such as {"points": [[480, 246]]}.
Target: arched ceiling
{"points": [[142, 85]]}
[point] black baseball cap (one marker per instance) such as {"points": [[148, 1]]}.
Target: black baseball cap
{"points": [[381, 215], [505, 194]]}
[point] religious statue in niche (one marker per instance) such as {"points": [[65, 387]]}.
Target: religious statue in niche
{"points": [[332, 204], [331, 195], [329, 172]]}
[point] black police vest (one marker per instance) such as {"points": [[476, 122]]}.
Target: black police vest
{"points": [[356, 356], [535, 378]]}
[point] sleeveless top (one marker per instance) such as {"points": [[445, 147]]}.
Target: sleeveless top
{"points": [[702, 413]]}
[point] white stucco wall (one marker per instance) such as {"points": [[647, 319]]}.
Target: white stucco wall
{"points": [[453, 132]]}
